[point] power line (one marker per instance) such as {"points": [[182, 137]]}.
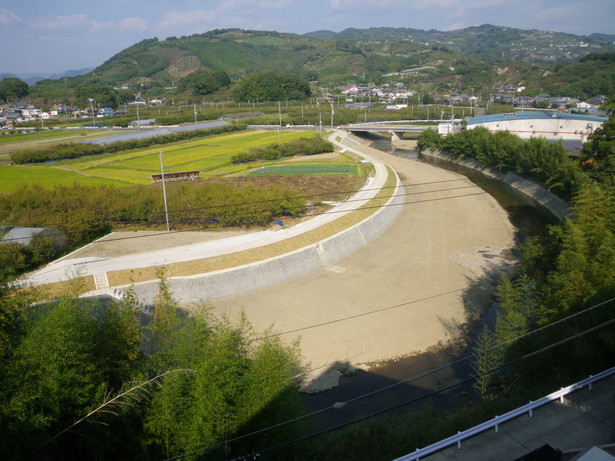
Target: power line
{"points": [[430, 394], [236, 204], [219, 224], [414, 378]]}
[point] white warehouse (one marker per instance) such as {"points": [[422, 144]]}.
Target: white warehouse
{"points": [[552, 126]]}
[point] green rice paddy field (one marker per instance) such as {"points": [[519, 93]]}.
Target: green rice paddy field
{"points": [[211, 156]]}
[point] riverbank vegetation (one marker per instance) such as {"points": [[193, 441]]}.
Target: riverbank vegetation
{"points": [[536, 158]]}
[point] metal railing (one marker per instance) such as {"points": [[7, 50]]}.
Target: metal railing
{"points": [[495, 422]]}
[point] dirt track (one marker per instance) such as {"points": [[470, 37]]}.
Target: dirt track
{"points": [[405, 292]]}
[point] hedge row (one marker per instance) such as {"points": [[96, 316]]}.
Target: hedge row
{"points": [[72, 150], [536, 158], [302, 146]]}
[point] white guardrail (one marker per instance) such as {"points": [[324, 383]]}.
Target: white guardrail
{"points": [[495, 422]]}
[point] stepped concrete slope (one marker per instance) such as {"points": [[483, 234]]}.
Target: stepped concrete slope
{"points": [[524, 189]]}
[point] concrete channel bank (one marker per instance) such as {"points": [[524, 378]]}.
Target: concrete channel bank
{"points": [[519, 187], [323, 254]]}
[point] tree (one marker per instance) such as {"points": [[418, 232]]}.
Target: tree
{"points": [[202, 82], [269, 86], [598, 152], [13, 88], [487, 358], [429, 139], [73, 352], [236, 384], [103, 95]]}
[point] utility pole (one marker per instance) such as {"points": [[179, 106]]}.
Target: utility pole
{"points": [[195, 113], [92, 110], [164, 193], [280, 118]]}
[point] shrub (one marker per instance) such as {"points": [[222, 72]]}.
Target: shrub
{"points": [[303, 146]]}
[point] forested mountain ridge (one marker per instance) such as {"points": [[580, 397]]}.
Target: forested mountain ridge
{"points": [[489, 41], [367, 60]]}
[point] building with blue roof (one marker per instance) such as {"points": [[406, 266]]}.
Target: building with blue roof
{"points": [[553, 126]]}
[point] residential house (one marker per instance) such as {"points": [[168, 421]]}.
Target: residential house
{"points": [[584, 106], [562, 102], [598, 101], [358, 105]]}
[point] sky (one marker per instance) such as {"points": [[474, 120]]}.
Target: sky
{"points": [[45, 36]]}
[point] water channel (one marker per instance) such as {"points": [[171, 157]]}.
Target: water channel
{"points": [[398, 376]]}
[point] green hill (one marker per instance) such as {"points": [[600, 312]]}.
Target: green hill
{"points": [[477, 59], [162, 63]]}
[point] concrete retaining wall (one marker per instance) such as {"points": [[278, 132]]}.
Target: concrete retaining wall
{"points": [[522, 188], [262, 274]]}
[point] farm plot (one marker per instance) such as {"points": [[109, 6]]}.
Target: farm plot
{"points": [[12, 177], [308, 169], [211, 155]]}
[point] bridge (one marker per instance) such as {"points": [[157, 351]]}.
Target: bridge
{"points": [[395, 128]]}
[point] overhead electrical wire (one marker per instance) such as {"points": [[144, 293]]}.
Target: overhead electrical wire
{"points": [[414, 378], [326, 212], [237, 204], [430, 394]]}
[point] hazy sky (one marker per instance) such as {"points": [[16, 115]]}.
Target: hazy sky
{"points": [[44, 36]]}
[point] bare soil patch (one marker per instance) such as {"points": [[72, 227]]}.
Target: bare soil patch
{"points": [[317, 188]]}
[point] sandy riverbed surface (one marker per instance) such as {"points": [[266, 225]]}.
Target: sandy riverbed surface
{"points": [[408, 291]]}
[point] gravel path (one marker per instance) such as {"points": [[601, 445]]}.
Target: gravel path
{"points": [[118, 244]]}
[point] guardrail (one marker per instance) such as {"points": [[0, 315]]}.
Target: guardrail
{"points": [[495, 422]]}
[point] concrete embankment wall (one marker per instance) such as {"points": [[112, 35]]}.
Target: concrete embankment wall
{"points": [[235, 281], [519, 187]]}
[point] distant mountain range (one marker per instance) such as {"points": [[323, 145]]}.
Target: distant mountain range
{"points": [[488, 41], [31, 78]]}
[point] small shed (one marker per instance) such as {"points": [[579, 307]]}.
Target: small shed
{"points": [[26, 235]]}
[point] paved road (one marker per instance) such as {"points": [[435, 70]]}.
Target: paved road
{"points": [[586, 418]]}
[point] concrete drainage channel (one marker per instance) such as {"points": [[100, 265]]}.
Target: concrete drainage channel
{"points": [[319, 255]]}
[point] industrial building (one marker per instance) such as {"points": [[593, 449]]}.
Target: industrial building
{"points": [[554, 126]]}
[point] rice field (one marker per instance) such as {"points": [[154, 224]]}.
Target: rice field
{"points": [[211, 156]]}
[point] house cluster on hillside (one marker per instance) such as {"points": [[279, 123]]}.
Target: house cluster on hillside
{"points": [[389, 96], [545, 101], [10, 114]]}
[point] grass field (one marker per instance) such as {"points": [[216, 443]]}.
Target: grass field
{"points": [[319, 169], [211, 156], [28, 139], [11, 177]]}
